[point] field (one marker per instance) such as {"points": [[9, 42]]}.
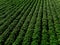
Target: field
{"points": [[29, 22]]}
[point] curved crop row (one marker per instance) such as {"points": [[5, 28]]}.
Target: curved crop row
{"points": [[28, 36], [36, 33], [13, 17], [11, 13], [8, 41]]}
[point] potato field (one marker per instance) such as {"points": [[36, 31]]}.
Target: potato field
{"points": [[29, 22]]}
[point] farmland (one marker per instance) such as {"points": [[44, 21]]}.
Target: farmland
{"points": [[29, 22]]}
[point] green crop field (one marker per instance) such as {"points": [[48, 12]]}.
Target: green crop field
{"points": [[29, 22]]}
